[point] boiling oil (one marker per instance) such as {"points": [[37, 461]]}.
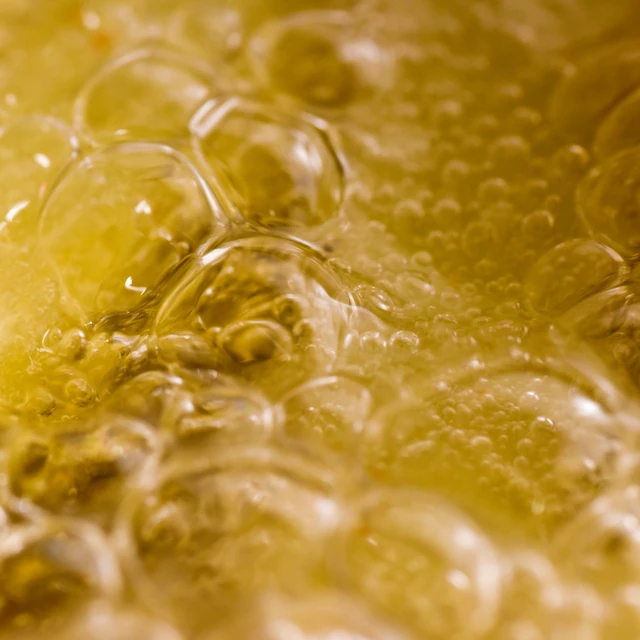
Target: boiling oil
{"points": [[320, 318]]}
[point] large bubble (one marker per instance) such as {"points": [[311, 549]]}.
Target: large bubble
{"points": [[264, 306], [120, 220], [218, 527], [281, 171]]}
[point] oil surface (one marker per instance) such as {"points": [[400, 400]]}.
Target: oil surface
{"points": [[320, 319]]}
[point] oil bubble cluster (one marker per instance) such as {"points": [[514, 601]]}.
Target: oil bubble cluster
{"points": [[321, 320]]}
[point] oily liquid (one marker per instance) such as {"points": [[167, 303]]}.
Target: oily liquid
{"points": [[320, 319]]}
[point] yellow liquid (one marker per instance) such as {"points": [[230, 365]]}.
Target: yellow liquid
{"points": [[319, 318]]}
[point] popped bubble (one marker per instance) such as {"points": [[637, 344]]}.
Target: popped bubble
{"points": [[123, 218], [147, 93], [215, 529], [607, 201], [281, 170], [418, 558]]}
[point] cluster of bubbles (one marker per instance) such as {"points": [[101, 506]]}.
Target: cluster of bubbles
{"points": [[319, 320]]}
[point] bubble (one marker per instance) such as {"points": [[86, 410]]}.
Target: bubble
{"points": [[538, 602], [213, 31], [83, 470], [122, 624], [619, 130], [493, 190], [72, 344], [551, 437], [33, 151], [50, 568], [327, 412], [599, 315], [538, 226], [234, 294], [601, 543], [569, 164], [121, 219], [319, 58], [606, 200], [148, 93], [405, 342], [281, 170], [194, 407], [416, 557], [511, 154], [116, 24], [591, 89], [571, 272], [320, 616], [220, 526], [533, 592], [409, 216], [480, 238], [79, 392], [43, 401]]}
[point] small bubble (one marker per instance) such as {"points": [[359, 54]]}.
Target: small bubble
{"points": [[493, 190], [538, 225], [404, 342], [511, 154], [79, 392], [72, 344]]}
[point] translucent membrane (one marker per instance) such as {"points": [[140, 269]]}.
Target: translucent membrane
{"points": [[215, 31], [420, 559], [571, 272], [319, 58], [281, 171], [85, 470], [329, 412], [148, 93], [121, 219], [261, 304], [195, 408], [33, 152], [607, 201], [539, 437], [50, 567], [595, 85], [217, 527]]}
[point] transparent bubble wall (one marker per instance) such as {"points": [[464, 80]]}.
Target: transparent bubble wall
{"points": [[320, 319]]}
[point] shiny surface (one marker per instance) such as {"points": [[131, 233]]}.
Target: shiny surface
{"points": [[320, 320]]}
